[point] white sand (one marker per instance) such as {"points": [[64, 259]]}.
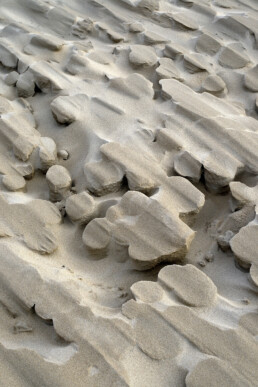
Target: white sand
{"points": [[129, 193]]}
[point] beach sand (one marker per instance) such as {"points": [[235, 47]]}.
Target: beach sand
{"points": [[129, 193]]}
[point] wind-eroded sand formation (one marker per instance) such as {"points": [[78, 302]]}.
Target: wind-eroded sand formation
{"points": [[129, 193]]}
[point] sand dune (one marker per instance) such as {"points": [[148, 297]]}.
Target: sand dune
{"points": [[129, 193]]}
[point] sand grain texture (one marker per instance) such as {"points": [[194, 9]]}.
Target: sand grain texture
{"points": [[129, 193]]}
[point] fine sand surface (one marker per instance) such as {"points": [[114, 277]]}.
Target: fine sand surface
{"points": [[129, 193]]}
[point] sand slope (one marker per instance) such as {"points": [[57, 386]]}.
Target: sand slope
{"points": [[128, 203]]}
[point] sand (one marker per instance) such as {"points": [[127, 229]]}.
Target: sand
{"points": [[129, 193]]}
